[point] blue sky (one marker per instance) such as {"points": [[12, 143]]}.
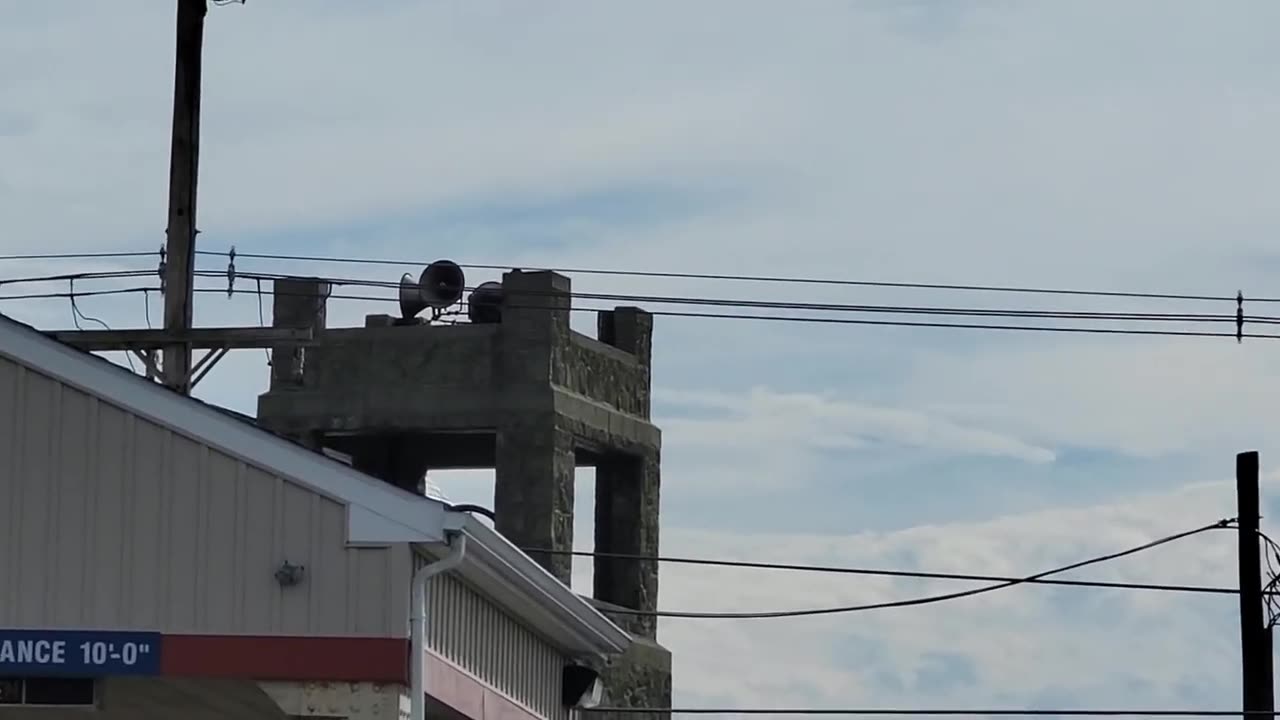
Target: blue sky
{"points": [[1090, 144]]}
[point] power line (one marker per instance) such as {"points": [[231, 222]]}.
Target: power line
{"points": [[729, 302], [78, 293], [70, 277], [77, 256], [926, 712], [746, 278], [827, 307], [744, 316], [916, 574], [927, 600], [674, 275], [1023, 314], [858, 321]]}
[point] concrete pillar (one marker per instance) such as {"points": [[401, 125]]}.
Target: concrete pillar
{"points": [[297, 303], [533, 489], [630, 329], [627, 498], [534, 328]]}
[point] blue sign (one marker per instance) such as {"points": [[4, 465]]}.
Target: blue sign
{"points": [[78, 653]]}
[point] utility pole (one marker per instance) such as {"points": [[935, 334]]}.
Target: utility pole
{"points": [[1255, 635], [180, 240], [177, 339]]}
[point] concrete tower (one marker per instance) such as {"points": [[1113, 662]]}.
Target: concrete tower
{"points": [[526, 396]]}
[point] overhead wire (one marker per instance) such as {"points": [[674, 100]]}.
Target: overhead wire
{"points": [[929, 599], [740, 277], [78, 293], [1271, 555], [858, 321], [669, 275], [88, 275], [1021, 314], [77, 315], [77, 255], [965, 712], [877, 572], [812, 306]]}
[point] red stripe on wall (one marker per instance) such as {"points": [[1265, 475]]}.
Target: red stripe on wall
{"points": [[287, 658]]}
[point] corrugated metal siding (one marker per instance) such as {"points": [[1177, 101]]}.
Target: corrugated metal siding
{"points": [[477, 635], [108, 520]]}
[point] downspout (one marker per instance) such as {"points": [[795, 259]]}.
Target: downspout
{"points": [[418, 621]]}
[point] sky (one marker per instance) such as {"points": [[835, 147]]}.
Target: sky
{"points": [[1124, 146]]}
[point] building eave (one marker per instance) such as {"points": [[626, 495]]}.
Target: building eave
{"points": [[510, 577]]}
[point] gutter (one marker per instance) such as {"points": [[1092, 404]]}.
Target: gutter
{"points": [[518, 568], [457, 543]]}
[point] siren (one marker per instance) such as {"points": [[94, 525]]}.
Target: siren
{"points": [[411, 302], [484, 305], [439, 286], [442, 284]]}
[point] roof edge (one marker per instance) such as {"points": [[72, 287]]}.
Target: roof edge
{"points": [[494, 564], [385, 509]]}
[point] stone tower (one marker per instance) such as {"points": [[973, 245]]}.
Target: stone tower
{"points": [[526, 396]]}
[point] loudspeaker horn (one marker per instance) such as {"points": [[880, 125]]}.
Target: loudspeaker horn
{"points": [[411, 300], [442, 284], [484, 305]]}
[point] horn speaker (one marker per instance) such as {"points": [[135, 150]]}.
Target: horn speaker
{"points": [[442, 283], [439, 286]]}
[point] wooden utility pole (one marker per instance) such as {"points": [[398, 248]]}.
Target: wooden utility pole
{"points": [[184, 166], [1255, 635], [178, 339]]}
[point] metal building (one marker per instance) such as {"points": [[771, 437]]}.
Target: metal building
{"points": [[163, 558]]}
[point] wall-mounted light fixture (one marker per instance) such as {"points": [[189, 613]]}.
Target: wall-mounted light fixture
{"points": [[289, 574]]}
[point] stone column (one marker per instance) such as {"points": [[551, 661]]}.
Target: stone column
{"points": [[534, 456], [296, 303], [533, 489], [630, 329], [627, 498], [534, 331]]}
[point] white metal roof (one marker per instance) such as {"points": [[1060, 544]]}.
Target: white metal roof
{"points": [[377, 512]]}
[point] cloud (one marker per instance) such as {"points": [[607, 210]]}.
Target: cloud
{"points": [[1143, 397], [761, 419], [1015, 648]]}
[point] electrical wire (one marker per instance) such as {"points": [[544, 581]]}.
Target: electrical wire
{"points": [[982, 312], [77, 315], [1009, 712], [827, 307], [746, 278], [95, 275], [857, 321], [78, 294], [1272, 559], [926, 600], [77, 256], [674, 275], [788, 318], [727, 302], [916, 574]]}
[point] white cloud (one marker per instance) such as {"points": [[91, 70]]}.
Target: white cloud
{"points": [[1146, 397], [760, 420], [1017, 642]]}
